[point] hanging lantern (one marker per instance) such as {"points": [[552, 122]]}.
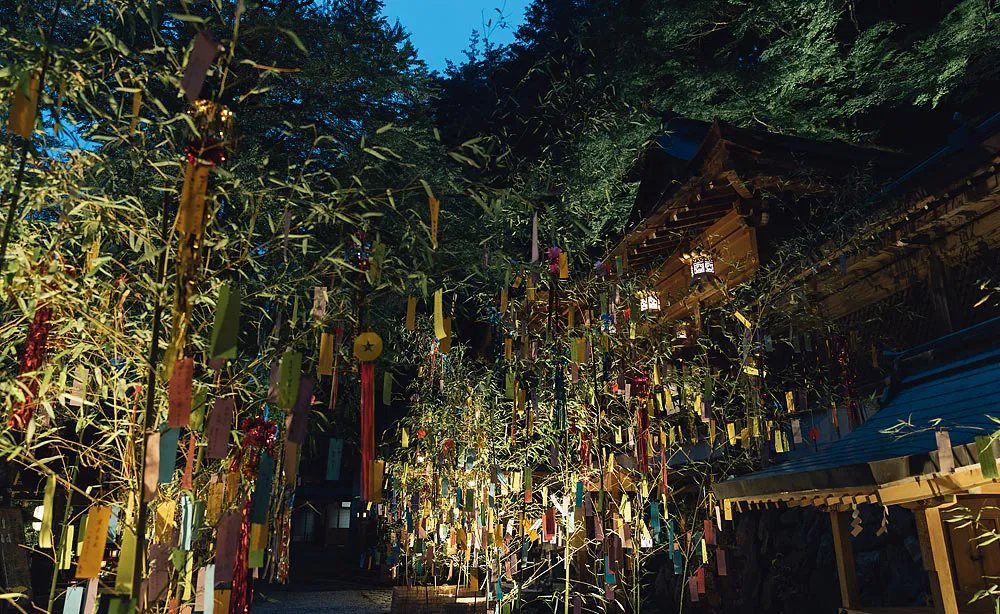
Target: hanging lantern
{"points": [[702, 266], [649, 302], [215, 126]]}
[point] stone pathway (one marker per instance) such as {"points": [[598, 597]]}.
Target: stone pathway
{"points": [[360, 601]]}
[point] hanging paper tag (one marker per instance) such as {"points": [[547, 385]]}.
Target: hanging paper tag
{"points": [[318, 311], [796, 431], [226, 544], [24, 108], [289, 376], [94, 540], [335, 453], [150, 479], [299, 420], [73, 603], [126, 562], [439, 331], [534, 238], [325, 363], [48, 501], [197, 67], [435, 207], [136, 107], [790, 401], [563, 265], [987, 459], [191, 210], [220, 423], [169, 440], [946, 458], [387, 388], [179, 402], [411, 313], [226, 331], [78, 393], [163, 522]]}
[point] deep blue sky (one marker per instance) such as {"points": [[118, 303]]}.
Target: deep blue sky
{"points": [[440, 29]]}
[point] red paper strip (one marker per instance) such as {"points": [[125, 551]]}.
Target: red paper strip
{"points": [[179, 414], [709, 532], [720, 558], [187, 480]]}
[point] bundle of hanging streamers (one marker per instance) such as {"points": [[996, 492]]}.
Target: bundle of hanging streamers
{"points": [[34, 355], [367, 427]]}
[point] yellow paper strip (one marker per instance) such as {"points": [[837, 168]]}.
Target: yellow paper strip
{"points": [[136, 106], [743, 320], [325, 366], [45, 534], [94, 540], [411, 313], [163, 523], [439, 331], [191, 211]]}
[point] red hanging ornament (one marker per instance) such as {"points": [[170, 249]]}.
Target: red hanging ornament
{"points": [[367, 427], [31, 360]]}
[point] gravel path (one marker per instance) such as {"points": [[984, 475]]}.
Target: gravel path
{"points": [[363, 601]]}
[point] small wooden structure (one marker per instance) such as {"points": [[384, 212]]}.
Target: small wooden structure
{"points": [[946, 386]]}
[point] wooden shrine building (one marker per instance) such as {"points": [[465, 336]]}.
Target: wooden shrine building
{"points": [[908, 288]]}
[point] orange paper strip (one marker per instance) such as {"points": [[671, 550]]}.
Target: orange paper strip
{"points": [[23, 109], [435, 206]]}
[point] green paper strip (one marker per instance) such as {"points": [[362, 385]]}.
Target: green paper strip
{"points": [[126, 563], [290, 372], [168, 454], [987, 460], [226, 332], [256, 560], [387, 389]]}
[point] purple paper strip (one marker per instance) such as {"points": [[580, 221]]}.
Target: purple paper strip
{"points": [[197, 67], [220, 423], [300, 413], [227, 542]]}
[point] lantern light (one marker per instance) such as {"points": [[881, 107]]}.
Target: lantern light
{"points": [[649, 302], [702, 266]]}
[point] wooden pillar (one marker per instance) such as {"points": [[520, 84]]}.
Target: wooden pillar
{"points": [[845, 559], [937, 562]]}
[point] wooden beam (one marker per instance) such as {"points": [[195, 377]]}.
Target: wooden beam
{"points": [[939, 566], [844, 549]]}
